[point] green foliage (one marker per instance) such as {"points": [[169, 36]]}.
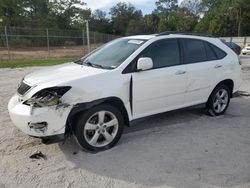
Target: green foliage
{"points": [[163, 6], [28, 63], [218, 17], [226, 18], [151, 23], [100, 23], [176, 18], [135, 27], [121, 15], [20, 42]]}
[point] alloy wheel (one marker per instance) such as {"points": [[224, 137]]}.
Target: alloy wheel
{"points": [[220, 100], [101, 129]]}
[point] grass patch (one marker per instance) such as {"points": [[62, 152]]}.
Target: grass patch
{"points": [[29, 63]]}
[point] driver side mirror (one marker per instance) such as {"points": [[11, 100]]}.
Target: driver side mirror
{"points": [[144, 63]]}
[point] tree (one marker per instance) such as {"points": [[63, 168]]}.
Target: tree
{"points": [[135, 27], [195, 6], [151, 23], [99, 15], [37, 13], [100, 23], [226, 18], [11, 11], [163, 6], [67, 12], [121, 15]]}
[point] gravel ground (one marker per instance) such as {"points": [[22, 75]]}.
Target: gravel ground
{"points": [[177, 149]]}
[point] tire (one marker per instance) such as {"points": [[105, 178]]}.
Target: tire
{"points": [[218, 101], [99, 128]]}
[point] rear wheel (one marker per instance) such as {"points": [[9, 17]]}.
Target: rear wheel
{"points": [[219, 100], [99, 128]]}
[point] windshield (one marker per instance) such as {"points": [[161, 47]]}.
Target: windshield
{"points": [[112, 54]]}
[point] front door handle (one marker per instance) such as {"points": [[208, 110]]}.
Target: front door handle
{"points": [[179, 72], [217, 66]]}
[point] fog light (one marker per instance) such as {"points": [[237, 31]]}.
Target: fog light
{"points": [[39, 126]]}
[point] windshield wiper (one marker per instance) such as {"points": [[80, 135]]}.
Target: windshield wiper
{"points": [[94, 65], [88, 63]]}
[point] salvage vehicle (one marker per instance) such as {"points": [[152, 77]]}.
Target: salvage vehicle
{"points": [[246, 50], [133, 77], [236, 48]]}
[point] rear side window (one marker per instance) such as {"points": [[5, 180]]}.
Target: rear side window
{"points": [[201, 51], [164, 53], [219, 53], [210, 53], [194, 51]]}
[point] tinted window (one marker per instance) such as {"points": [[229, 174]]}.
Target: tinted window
{"points": [[164, 53], [219, 53], [194, 51], [210, 53]]}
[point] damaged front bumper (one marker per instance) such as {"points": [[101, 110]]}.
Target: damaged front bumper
{"points": [[38, 122]]}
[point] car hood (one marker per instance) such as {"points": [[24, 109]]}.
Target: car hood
{"points": [[62, 73]]}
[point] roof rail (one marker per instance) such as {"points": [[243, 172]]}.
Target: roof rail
{"points": [[184, 33]]}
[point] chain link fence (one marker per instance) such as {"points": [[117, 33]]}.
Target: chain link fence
{"points": [[26, 43], [241, 41]]}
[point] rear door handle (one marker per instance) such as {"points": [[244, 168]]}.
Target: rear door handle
{"points": [[217, 66], [179, 72]]}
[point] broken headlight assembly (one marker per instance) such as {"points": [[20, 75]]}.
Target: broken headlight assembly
{"points": [[47, 97]]}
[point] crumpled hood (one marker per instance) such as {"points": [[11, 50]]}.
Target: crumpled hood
{"points": [[62, 73]]}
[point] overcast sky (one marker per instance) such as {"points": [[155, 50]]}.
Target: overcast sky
{"points": [[146, 6]]}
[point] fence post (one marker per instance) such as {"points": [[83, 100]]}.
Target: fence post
{"points": [[87, 28], [94, 38], [245, 41], [7, 41], [48, 48], [83, 42]]}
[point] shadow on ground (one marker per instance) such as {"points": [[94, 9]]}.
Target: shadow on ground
{"points": [[177, 149]]}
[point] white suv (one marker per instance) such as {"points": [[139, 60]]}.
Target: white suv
{"points": [[246, 50], [126, 79]]}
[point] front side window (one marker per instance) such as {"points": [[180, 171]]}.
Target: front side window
{"points": [[112, 54], [194, 51], [164, 53]]}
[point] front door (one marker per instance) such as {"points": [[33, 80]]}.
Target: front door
{"points": [[163, 87]]}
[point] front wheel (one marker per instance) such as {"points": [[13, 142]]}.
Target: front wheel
{"points": [[99, 128], [218, 101]]}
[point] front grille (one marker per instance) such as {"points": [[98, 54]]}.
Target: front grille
{"points": [[23, 88]]}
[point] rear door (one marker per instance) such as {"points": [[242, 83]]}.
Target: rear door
{"points": [[204, 65]]}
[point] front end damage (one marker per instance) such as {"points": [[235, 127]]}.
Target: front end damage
{"points": [[43, 115]]}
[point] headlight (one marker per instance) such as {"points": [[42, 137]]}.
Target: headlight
{"points": [[47, 97]]}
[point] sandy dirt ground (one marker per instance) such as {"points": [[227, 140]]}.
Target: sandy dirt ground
{"points": [[178, 149]]}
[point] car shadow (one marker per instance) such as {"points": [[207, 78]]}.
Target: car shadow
{"points": [[175, 149]]}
